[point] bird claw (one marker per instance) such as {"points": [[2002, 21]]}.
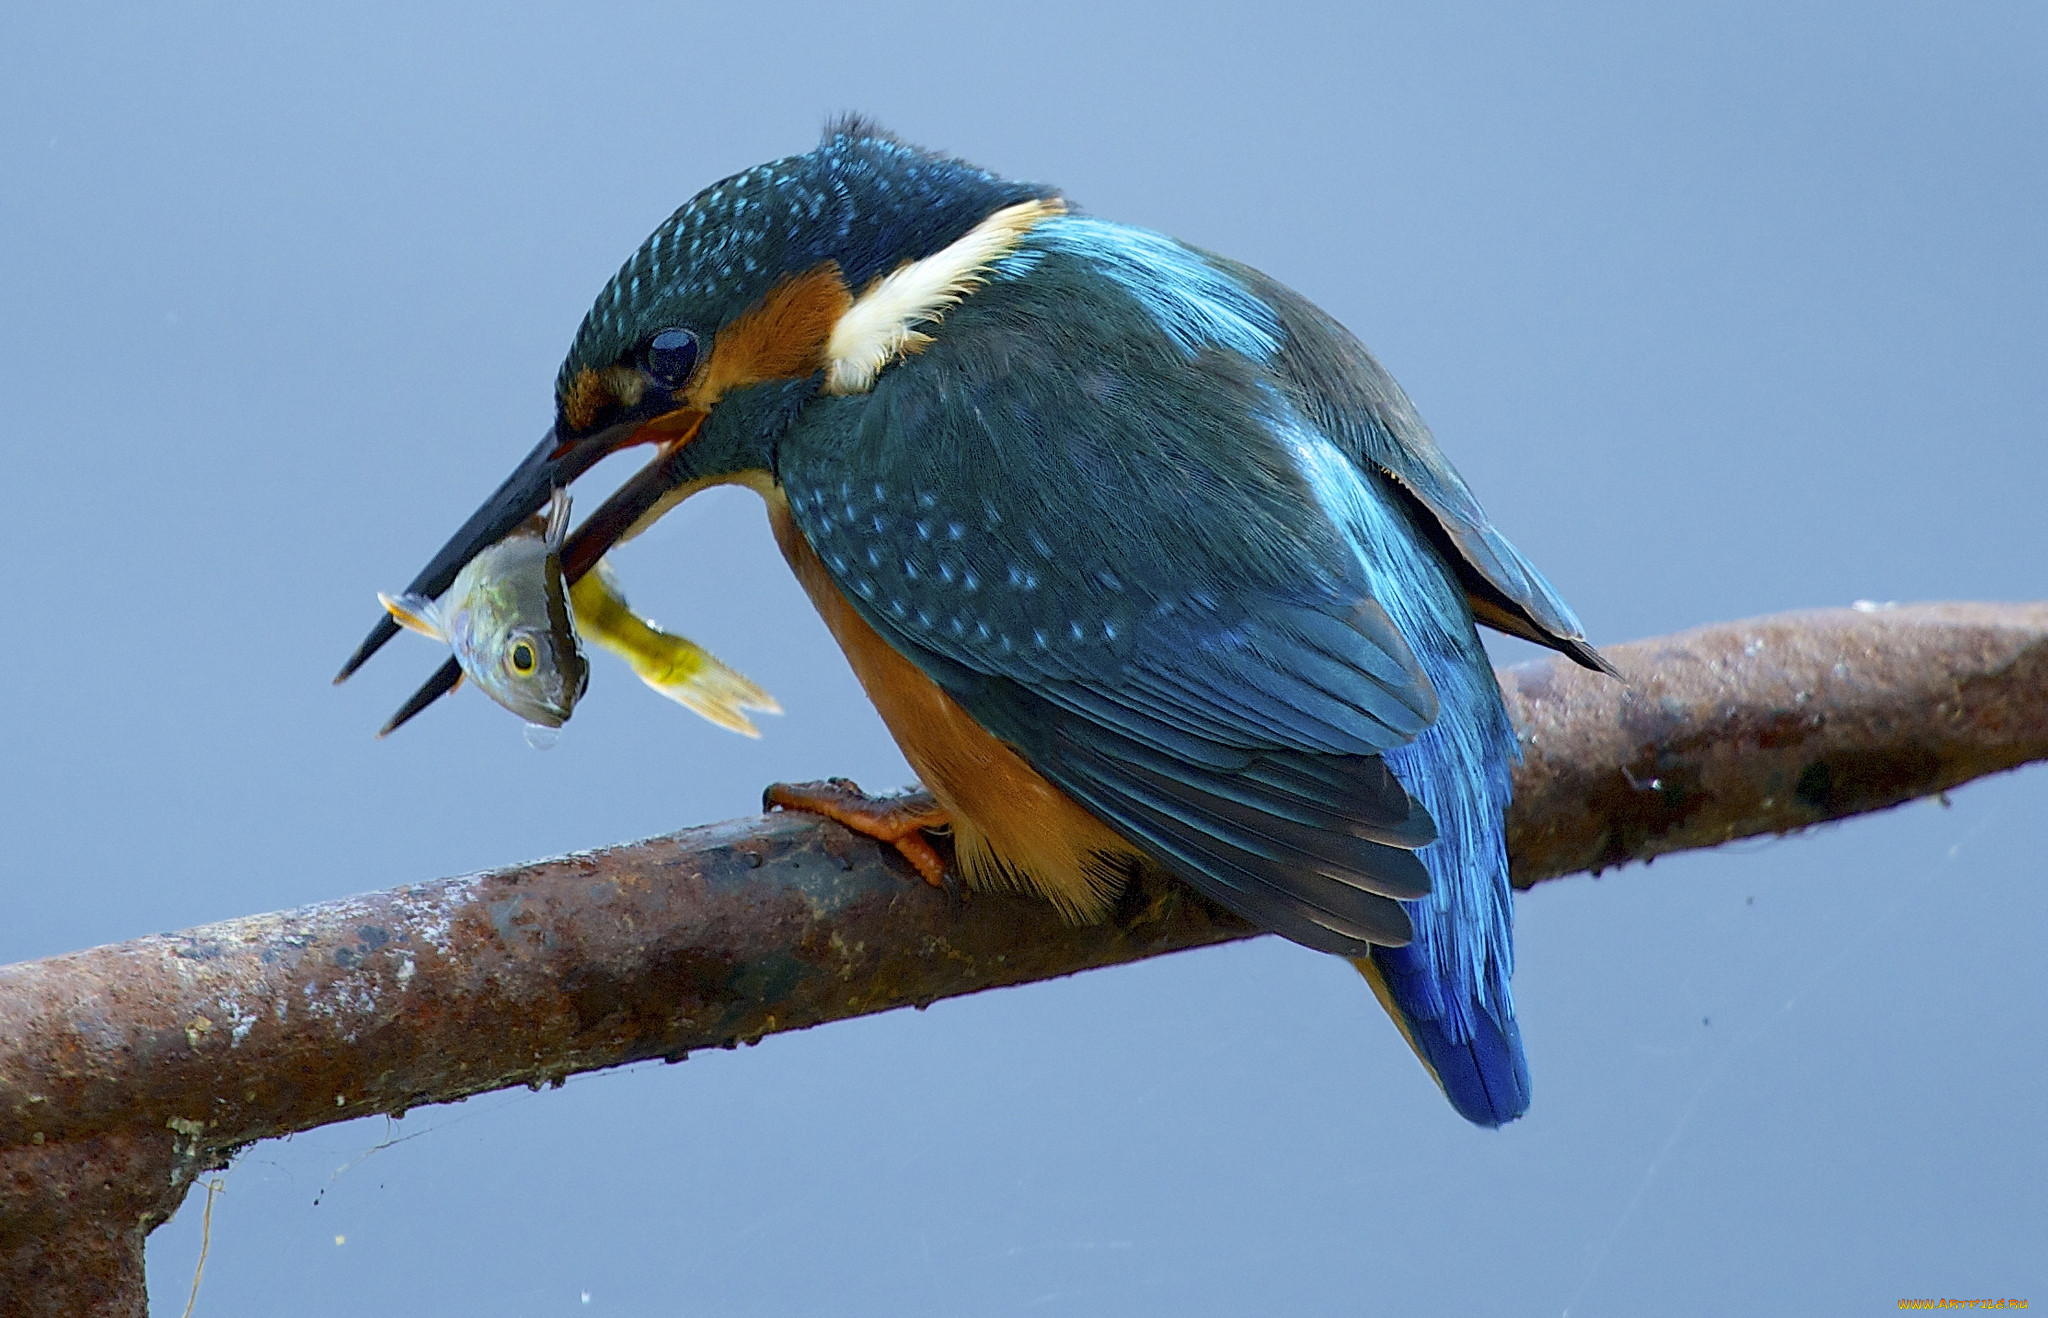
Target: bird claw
{"points": [[897, 820]]}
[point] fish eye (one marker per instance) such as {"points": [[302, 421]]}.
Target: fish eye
{"points": [[671, 356], [522, 657]]}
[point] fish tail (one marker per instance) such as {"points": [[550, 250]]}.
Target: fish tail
{"points": [[711, 689], [676, 666], [1481, 1068]]}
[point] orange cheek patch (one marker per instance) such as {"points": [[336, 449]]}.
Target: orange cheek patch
{"points": [[587, 393], [782, 337]]}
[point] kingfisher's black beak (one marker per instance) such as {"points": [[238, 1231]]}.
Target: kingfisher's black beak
{"points": [[552, 464], [519, 498]]}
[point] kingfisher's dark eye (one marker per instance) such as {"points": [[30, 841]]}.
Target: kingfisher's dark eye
{"points": [[671, 356]]}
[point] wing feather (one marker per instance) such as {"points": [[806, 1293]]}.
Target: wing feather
{"points": [[1370, 417], [1089, 533]]}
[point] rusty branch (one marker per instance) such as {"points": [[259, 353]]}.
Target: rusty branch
{"points": [[126, 1070]]}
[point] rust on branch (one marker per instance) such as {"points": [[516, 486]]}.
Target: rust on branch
{"points": [[1767, 726], [126, 1070], [73, 1216], [703, 939]]}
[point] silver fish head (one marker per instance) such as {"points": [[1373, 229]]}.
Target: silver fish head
{"points": [[514, 633], [507, 617]]}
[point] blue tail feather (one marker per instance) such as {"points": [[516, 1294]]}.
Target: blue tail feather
{"points": [[1485, 1074], [1448, 988]]}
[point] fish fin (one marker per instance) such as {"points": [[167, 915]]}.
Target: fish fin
{"points": [[415, 613], [555, 531], [674, 665], [714, 691]]}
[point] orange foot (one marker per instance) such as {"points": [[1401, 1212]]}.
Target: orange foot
{"points": [[899, 820]]}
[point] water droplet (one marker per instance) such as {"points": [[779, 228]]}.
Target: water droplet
{"points": [[541, 737]]}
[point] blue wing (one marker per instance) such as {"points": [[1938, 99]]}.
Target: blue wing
{"points": [[1113, 511], [1370, 418]]}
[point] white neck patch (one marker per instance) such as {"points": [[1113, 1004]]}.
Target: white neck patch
{"points": [[882, 323]]}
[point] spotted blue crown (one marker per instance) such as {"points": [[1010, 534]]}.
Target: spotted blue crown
{"points": [[861, 199]]}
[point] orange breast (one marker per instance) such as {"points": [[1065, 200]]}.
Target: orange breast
{"points": [[1011, 828]]}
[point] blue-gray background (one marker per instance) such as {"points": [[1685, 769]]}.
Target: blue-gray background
{"points": [[1723, 309]]}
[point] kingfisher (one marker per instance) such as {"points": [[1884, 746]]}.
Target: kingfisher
{"points": [[1145, 561]]}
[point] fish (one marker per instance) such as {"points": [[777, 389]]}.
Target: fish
{"points": [[509, 620], [673, 665], [517, 628]]}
